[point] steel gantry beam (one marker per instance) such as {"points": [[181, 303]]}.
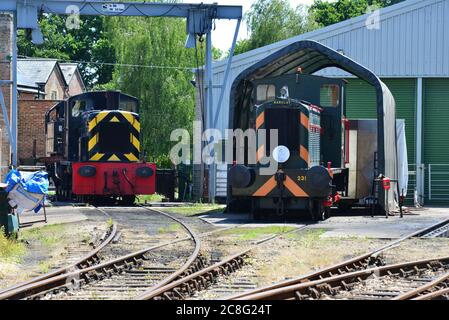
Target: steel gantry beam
{"points": [[199, 22]]}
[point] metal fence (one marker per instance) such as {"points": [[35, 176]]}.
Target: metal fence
{"points": [[437, 182], [411, 184]]}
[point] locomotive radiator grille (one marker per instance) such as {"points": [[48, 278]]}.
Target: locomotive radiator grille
{"points": [[314, 138]]}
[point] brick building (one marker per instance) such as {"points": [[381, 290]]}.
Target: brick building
{"points": [[31, 129], [41, 79], [41, 83], [72, 76]]}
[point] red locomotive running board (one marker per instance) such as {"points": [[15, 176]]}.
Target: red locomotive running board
{"points": [[113, 178]]}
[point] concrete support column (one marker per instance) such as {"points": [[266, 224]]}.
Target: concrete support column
{"points": [[420, 168]]}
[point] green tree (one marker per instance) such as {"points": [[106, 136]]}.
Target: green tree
{"points": [[270, 21], [164, 85], [87, 44], [326, 13]]}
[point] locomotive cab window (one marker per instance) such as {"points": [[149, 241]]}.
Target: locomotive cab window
{"points": [[265, 92], [329, 95], [78, 107]]}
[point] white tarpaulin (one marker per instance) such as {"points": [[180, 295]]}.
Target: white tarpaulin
{"points": [[402, 157]]}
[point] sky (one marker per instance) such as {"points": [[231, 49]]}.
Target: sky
{"points": [[222, 36]]}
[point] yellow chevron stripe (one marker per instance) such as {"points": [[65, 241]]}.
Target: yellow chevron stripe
{"points": [[92, 142], [136, 124], [96, 156], [114, 158], [135, 142], [131, 157], [93, 123], [114, 119], [132, 120]]}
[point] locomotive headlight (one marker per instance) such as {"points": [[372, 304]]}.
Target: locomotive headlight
{"points": [[87, 171], [281, 154]]}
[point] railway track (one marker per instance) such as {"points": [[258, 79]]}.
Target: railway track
{"points": [[375, 283], [200, 280], [136, 265], [185, 287], [436, 289], [87, 260], [364, 261]]}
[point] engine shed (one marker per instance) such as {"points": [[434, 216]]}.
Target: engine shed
{"points": [[310, 57], [407, 57]]}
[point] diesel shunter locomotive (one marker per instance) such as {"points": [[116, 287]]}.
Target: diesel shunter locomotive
{"points": [[312, 149], [93, 148]]}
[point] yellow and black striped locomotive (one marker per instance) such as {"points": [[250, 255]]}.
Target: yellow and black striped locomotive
{"points": [[93, 148], [310, 153]]}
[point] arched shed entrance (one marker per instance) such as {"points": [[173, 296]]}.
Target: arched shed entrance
{"points": [[312, 57]]}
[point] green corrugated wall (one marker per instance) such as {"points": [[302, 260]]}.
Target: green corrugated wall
{"points": [[436, 137], [361, 104]]}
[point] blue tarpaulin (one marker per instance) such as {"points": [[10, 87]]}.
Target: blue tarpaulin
{"points": [[35, 182], [29, 183]]}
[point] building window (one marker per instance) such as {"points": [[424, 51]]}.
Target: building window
{"points": [[329, 95], [54, 95]]}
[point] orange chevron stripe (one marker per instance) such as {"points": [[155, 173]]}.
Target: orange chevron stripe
{"points": [[266, 188], [294, 188], [260, 153], [260, 120], [304, 120], [304, 154]]}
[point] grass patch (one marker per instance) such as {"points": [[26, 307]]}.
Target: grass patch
{"points": [[10, 249], [149, 198], [110, 223], [44, 266], [171, 228], [47, 236], [308, 237], [246, 234], [197, 209]]}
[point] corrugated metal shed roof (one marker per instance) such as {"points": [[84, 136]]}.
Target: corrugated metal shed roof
{"points": [[412, 40]]}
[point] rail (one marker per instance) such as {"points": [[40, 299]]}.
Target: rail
{"points": [[63, 281], [89, 259], [331, 286], [358, 263]]}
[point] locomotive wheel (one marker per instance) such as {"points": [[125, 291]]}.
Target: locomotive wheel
{"points": [[128, 200], [318, 211], [255, 213]]}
